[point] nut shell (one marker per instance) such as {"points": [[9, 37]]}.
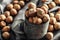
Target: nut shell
{"points": [[22, 3], [57, 16], [31, 5], [17, 6], [2, 17], [57, 26], [15, 2], [6, 29], [52, 20], [7, 13], [49, 35], [9, 6], [2, 23], [40, 12], [13, 12], [6, 35], [9, 19], [50, 28], [52, 5]]}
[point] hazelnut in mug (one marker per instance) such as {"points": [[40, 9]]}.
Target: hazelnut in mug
{"points": [[36, 21]]}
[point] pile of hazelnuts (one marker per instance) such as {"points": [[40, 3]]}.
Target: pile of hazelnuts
{"points": [[37, 15], [54, 23], [7, 17], [40, 15]]}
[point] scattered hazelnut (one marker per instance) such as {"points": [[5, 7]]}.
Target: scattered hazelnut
{"points": [[9, 6], [57, 16], [6, 29], [45, 5], [50, 28], [52, 5], [2, 23], [22, 3], [6, 35], [31, 5], [44, 0], [52, 20], [57, 25], [9, 19], [2, 17], [7, 13], [57, 1], [49, 35], [17, 6], [13, 12], [51, 14], [45, 9]]}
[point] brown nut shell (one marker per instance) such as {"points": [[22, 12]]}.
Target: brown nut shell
{"points": [[51, 5], [50, 28], [40, 12], [6, 29], [2, 23], [49, 35], [9, 6], [2, 17], [6, 35], [52, 20], [57, 16], [17, 6], [7, 13], [31, 5], [21, 3], [13, 12], [57, 26], [9, 19]]}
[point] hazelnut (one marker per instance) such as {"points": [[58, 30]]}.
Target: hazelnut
{"points": [[57, 1], [6, 35], [13, 12], [15, 2], [46, 18], [49, 35], [45, 5], [51, 14], [32, 12], [31, 5], [57, 25], [50, 28], [52, 5], [9, 19], [40, 12], [6, 29], [17, 6], [27, 13], [52, 20], [7, 13], [45, 9], [2, 23], [30, 19], [9, 6], [58, 12], [57, 16], [37, 20], [22, 3], [2, 17]]}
